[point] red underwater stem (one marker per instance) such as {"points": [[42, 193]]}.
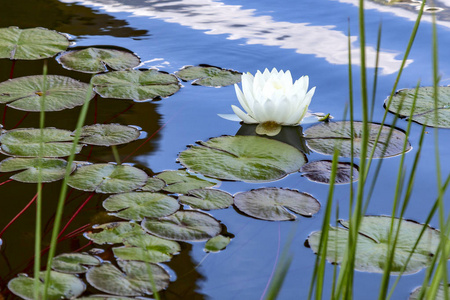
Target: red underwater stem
{"points": [[76, 213], [18, 215]]}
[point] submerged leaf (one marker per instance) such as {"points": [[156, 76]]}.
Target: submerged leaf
{"points": [[135, 280], [207, 199], [27, 93], [62, 286], [108, 134], [31, 43], [51, 169], [135, 84], [97, 60], [107, 178], [372, 244], [184, 226], [320, 171], [272, 204], [245, 158], [217, 243], [325, 137], [209, 76], [26, 142], [181, 182]]}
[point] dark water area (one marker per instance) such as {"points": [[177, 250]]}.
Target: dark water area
{"points": [[306, 37]]}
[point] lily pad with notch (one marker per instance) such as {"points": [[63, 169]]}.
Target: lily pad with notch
{"points": [[108, 134], [217, 243], [114, 233], [325, 137], [52, 169], [74, 262], [98, 60], [372, 244], [425, 110], [107, 178], [26, 142], [184, 226], [207, 75], [135, 280], [135, 84], [61, 286], [31, 43], [147, 248], [27, 93], [243, 158], [181, 181], [320, 171], [274, 204], [207, 199], [138, 205]]}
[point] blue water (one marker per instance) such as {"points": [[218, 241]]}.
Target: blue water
{"points": [[307, 38]]}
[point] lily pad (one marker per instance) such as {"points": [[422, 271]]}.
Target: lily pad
{"points": [[244, 158], [217, 243], [135, 84], [207, 199], [26, 142], [372, 244], [138, 205], [320, 171], [62, 286], [272, 204], [324, 137], [51, 169], [154, 184], [107, 178], [184, 226], [147, 248], [108, 297], [114, 233], [135, 279], [108, 134], [97, 60], [74, 262], [31, 43], [27, 93], [440, 295], [209, 76], [181, 182], [425, 109]]}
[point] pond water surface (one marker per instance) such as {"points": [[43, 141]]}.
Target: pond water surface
{"points": [[306, 37]]}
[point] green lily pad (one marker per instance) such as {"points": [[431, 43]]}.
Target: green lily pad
{"points": [[324, 137], [31, 43], [440, 295], [108, 134], [74, 262], [147, 248], [245, 158], [320, 171], [51, 169], [207, 199], [26, 142], [181, 182], [209, 76], [154, 184], [184, 226], [27, 93], [97, 60], [62, 286], [114, 233], [107, 178], [272, 204], [138, 205], [135, 84], [217, 243], [135, 279], [372, 244], [108, 297], [425, 109]]}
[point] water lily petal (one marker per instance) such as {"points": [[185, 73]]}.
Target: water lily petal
{"points": [[260, 114], [244, 117], [242, 99], [247, 80], [230, 117]]}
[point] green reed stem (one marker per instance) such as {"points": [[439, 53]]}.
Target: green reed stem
{"points": [[62, 195], [116, 154]]}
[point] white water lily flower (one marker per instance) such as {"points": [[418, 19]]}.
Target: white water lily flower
{"points": [[271, 100]]}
